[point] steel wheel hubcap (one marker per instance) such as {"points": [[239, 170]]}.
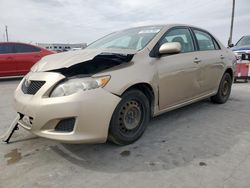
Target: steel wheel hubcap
{"points": [[130, 116]]}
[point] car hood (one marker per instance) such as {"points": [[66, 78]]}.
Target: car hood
{"points": [[241, 48], [68, 59]]}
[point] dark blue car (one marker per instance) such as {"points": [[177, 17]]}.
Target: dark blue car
{"points": [[242, 51], [242, 48]]}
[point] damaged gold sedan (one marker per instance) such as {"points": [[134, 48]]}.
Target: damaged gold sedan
{"points": [[111, 89]]}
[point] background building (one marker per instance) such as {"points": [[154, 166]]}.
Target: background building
{"points": [[60, 47]]}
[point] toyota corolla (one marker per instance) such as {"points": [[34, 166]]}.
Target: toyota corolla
{"points": [[111, 89]]}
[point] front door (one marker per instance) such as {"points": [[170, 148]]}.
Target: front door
{"points": [[179, 74]]}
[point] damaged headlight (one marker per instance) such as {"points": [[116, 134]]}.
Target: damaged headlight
{"points": [[74, 85]]}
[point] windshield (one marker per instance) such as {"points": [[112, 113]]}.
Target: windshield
{"points": [[244, 41], [135, 38]]}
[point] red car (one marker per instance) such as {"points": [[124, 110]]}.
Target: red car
{"points": [[17, 58]]}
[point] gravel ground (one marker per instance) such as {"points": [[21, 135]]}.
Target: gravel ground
{"points": [[201, 145]]}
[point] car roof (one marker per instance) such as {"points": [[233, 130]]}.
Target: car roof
{"points": [[165, 25], [16, 43]]}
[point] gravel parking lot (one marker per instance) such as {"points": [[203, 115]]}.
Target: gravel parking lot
{"points": [[201, 145]]}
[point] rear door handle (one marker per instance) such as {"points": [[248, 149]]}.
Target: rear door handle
{"points": [[222, 57], [197, 60]]}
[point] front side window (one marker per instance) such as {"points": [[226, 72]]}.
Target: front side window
{"points": [[181, 35], [23, 48], [135, 38], [205, 41]]}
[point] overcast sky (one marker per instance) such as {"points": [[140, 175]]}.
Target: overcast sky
{"points": [[76, 21]]}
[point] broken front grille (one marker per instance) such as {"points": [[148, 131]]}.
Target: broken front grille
{"points": [[31, 87]]}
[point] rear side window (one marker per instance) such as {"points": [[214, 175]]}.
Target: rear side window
{"points": [[6, 48], [23, 48], [205, 41], [181, 35]]}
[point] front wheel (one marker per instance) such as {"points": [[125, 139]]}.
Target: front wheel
{"points": [[130, 118], [224, 90]]}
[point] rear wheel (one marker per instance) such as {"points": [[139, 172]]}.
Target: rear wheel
{"points": [[224, 89], [130, 118]]}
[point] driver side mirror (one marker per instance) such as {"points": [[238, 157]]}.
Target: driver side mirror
{"points": [[170, 48], [231, 45]]}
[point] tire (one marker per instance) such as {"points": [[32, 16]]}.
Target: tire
{"points": [[130, 118], [224, 90]]}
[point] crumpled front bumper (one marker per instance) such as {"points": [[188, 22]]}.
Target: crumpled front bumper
{"points": [[92, 111]]}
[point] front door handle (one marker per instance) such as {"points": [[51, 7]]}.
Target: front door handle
{"points": [[197, 60]]}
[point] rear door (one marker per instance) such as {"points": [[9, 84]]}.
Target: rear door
{"points": [[25, 57], [211, 60], [7, 66]]}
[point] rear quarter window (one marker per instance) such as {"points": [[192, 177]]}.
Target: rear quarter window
{"points": [[216, 44]]}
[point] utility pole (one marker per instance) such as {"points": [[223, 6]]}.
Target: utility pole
{"points": [[6, 32], [232, 25]]}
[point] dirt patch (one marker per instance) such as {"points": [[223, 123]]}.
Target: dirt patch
{"points": [[13, 157], [125, 153], [202, 164]]}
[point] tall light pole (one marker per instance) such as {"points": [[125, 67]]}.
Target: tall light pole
{"points": [[232, 25], [6, 32]]}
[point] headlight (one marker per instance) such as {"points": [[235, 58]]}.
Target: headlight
{"points": [[79, 84]]}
